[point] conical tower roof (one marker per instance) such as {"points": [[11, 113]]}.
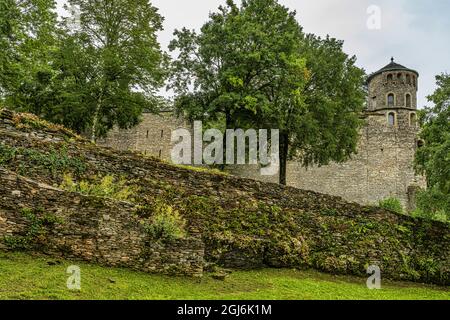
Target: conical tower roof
{"points": [[393, 66]]}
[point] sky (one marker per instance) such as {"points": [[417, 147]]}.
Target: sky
{"points": [[415, 32]]}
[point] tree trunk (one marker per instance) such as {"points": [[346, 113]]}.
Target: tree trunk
{"points": [[95, 121], [284, 149], [228, 122]]}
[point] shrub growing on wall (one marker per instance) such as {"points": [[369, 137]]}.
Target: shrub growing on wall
{"points": [[392, 204], [433, 204], [108, 186], [166, 223]]}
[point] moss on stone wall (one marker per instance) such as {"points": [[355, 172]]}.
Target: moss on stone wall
{"points": [[248, 224]]}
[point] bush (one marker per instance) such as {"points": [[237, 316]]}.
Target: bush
{"points": [[39, 224], [166, 223], [433, 200], [441, 216], [108, 187], [7, 154], [433, 204], [392, 204]]}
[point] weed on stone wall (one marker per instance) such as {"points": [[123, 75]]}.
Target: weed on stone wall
{"points": [[7, 154], [53, 161], [31, 121], [166, 223], [392, 204], [39, 222], [108, 187]]}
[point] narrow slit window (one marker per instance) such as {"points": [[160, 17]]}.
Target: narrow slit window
{"points": [[391, 100], [391, 119], [408, 100], [413, 119]]}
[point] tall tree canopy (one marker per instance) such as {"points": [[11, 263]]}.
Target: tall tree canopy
{"points": [[27, 38], [111, 65], [433, 159], [90, 77], [8, 18], [252, 66]]}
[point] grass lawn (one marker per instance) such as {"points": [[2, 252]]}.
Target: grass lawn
{"points": [[26, 277]]}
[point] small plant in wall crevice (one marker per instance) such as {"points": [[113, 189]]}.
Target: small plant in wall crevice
{"points": [[39, 223], [392, 204], [166, 223]]}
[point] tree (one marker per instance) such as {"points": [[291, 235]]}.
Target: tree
{"points": [[433, 158], [8, 15], [254, 67], [110, 66], [27, 30]]}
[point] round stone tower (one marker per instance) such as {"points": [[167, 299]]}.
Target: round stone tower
{"points": [[391, 135], [393, 91]]}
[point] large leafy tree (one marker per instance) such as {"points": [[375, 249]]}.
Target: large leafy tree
{"points": [[111, 65], [8, 17], [27, 38], [252, 66], [433, 159]]}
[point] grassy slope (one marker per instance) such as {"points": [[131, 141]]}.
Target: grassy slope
{"points": [[26, 277]]}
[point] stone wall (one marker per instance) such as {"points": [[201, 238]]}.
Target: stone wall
{"points": [[151, 137], [382, 168], [243, 223], [92, 229], [380, 87]]}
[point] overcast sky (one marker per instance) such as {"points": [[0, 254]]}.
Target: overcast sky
{"points": [[415, 32]]}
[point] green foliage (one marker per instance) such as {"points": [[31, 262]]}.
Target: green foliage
{"points": [[7, 154], [110, 67], [433, 158], [55, 161], [392, 204], [166, 223], [28, 39], [108, 187], [104, 73], [28, 120], [52, 161], [252, 66], [39, 222], [433, 204], [29, 273]]}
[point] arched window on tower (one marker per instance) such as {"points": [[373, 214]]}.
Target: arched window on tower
{"points": [[391, 119], [408, 79], [414, 81], [390, 78], [408, 100], [399, 77], [390, 100], [413, 119]]}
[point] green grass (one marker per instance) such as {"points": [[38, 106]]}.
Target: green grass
{"points": [[29, 277]]}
